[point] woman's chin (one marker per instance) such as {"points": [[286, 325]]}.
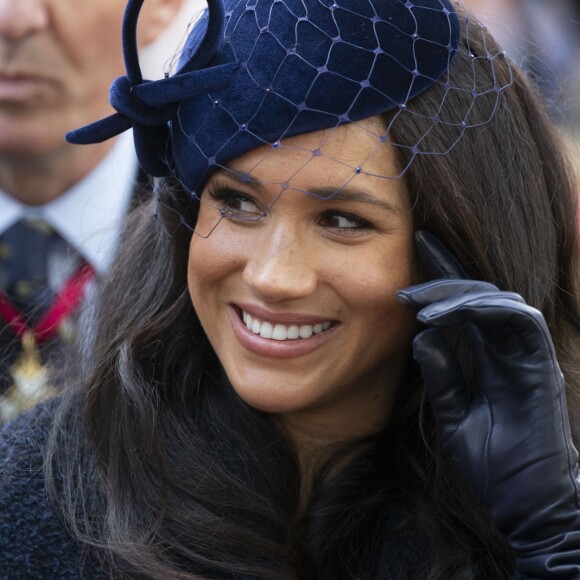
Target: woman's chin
{"points": [[273, 399]]}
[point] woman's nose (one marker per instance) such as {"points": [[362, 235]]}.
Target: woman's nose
{"points": [[282, 267]]}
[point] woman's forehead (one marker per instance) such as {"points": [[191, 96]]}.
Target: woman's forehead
{"points": [[338, 154]]}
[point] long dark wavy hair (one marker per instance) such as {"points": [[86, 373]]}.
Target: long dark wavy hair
{"points": [[158, 466]]}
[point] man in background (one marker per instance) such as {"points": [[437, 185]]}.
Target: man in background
{"points": [[61, 205]]}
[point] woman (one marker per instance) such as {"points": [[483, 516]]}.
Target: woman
{"points": [[250, 407]]}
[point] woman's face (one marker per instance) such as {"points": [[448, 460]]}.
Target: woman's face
{"points": [[299, 304]]}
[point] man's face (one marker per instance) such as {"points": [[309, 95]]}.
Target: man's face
{"points": [[57, 60]]}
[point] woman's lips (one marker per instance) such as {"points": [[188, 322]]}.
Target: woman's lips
{"points": [[287, 318], [280, 336]]}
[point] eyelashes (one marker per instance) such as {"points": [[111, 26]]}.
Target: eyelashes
{"points": [[235, 205], [347, 221]]}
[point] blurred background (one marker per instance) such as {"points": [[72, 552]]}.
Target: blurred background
{"points": [[543, 38]]}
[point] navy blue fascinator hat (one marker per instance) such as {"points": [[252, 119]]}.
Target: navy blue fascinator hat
{"points": [[253, 72]]}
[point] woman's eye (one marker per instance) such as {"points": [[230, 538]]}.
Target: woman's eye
{"points": [[240, 204], [344, 221], [234, 204]]}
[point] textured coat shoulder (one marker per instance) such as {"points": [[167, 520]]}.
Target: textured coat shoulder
{"points": [[33, 541]]}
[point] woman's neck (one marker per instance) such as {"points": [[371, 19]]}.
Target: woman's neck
{"points": [[318, 436]]}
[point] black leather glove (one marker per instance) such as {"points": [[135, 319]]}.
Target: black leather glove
{"points": [[510, 441]]}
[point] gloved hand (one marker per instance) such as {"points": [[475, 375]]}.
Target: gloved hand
{"points": [[511, 440]]}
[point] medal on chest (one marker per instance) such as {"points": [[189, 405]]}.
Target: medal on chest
{"points": [[30, 377]]}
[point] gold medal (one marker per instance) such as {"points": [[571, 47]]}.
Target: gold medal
{"points": [[30, 381]]}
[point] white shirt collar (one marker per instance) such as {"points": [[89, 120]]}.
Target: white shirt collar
{"points": [[90, 215]]}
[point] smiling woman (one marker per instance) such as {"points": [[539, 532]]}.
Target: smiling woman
{"points": [[324, 271], [292, 376]]}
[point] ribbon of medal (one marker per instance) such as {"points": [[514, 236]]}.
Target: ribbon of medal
{"points": [[29, 375]]}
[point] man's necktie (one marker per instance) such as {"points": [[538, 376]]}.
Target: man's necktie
{"points": [[24, 253]]}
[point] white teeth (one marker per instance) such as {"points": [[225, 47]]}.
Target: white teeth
{"points": [[256, 326], [281, 331], [293, 332], [266, 330]]}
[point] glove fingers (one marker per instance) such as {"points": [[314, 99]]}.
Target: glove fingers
{"points": [[436, 259], [505, 320], [424, 294], [443, 378]]}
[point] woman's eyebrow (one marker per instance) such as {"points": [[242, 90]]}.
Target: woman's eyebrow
{"points": [[349, 193]]}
